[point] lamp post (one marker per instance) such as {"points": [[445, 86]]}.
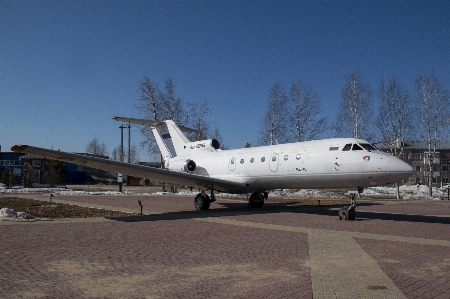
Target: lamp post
{"points": [[119, 175], [446, 159]]}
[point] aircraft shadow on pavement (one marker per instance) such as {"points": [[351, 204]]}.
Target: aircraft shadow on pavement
{"points": [[242, 209]]}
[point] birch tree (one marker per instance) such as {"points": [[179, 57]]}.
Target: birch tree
{"points": [[172, 107], [304, 113], [395, 117], [218, 136], [196, 115], [150, 106], [355, 111], [274, 129], [151, 99], [432, 106]]}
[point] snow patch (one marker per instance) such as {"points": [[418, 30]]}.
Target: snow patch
{"points": [[409, 192], [11, 215], [308, 193], [406, 192]]}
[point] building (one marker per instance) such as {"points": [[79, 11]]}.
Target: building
{"points": [[416, 154], [11, 161], [34, 170]]}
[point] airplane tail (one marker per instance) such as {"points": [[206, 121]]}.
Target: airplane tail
{"points": [[170, 139]]}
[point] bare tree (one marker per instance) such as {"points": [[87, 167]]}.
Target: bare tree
{"points": [[395, 117], [354, 115], [305, 112], [150, 106], [134, 154], [115, 154], [151, 99], [196, 119], [432, 106], [216, 135], [273, 128], [96, 148], [172, 106]]}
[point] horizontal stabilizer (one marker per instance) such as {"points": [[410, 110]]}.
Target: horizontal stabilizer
{"points": [[148, 122]]}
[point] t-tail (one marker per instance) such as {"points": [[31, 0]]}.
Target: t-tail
{"points": [[171, 140]]}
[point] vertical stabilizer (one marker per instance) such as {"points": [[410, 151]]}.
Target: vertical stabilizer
{"points": [[171, 140], [169, 137]]}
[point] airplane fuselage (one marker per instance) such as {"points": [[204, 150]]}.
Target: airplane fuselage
{"points": [[311, 164]]}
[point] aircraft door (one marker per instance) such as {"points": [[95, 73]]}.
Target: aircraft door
{"points": [[273, 163], [232, 164]]}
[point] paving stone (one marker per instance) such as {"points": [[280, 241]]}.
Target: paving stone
{"points": [[393, 250]]}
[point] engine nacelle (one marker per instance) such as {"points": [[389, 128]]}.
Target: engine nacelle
{"points": [[189, 166], [209, 144]]}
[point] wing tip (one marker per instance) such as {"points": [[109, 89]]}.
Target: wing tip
{"points": [[19, 147]]}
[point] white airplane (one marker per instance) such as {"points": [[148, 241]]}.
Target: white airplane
{"points": [[330, 163]]}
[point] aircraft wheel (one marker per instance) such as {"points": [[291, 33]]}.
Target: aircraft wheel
{"points": [[256, 200], [352, 214], [202, 203]]}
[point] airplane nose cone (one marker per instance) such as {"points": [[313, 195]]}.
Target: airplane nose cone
{"points": [[398, 170]]}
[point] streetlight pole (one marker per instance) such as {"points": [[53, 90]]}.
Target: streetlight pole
{"points": [[129, 143], [119, 175]]}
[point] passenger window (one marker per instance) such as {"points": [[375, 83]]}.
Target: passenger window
{"points": [[263, 159], [252, 160], [274, 158], [356, 147], [242, 161], [286, 157], [298, 157], [347, 147]]}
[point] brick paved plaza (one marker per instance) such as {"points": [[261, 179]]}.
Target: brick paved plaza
{"points": [[393, 250]]}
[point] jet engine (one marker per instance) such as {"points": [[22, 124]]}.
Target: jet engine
{"points": [[209, 145], [189, 166]]}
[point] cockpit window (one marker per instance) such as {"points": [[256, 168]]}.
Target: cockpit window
{"points": [[368, 147], [347, 147], [356, 147]]}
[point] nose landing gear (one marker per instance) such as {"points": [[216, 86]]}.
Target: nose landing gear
{"points": [[349, 212]]}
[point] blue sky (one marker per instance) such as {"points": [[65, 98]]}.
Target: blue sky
{"points": [[67, 67]]}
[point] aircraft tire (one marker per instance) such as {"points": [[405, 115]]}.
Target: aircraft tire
{"points": [[202, 203], [352, 215], [256, 200]]}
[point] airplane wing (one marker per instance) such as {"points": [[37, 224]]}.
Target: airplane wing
{"points": [[162, 175]]}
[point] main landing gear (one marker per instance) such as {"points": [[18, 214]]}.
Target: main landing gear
{"points": [[202, 201], [256, 200]]}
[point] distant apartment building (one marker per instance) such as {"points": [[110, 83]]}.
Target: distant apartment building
{"points": [[416, 154]]}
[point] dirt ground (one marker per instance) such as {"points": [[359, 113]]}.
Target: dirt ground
{"points": [[47, 209]]}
